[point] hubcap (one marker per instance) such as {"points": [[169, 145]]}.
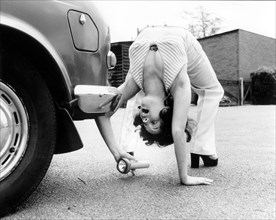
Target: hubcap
{"points": [[13, 130]]}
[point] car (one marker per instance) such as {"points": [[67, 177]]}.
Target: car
{"points": [[55, 57]]}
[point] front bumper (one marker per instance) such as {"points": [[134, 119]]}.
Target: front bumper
{"points": [[97, 99]]}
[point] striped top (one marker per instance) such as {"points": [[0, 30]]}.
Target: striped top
{"points": [[172, 47]]}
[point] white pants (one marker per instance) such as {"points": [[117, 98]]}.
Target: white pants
{"points": [[129, 138], [203, 141], [205, 84]]}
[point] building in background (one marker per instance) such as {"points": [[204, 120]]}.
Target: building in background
{"points": [[234, 55]]}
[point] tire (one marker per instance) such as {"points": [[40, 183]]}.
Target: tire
{"points": [[28, 132]]}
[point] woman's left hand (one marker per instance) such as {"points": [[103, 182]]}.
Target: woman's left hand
{"points": [[191, 181]]}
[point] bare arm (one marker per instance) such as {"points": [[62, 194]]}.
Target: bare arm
{"points": [[181, 92], [128, 90], [105, 128]]}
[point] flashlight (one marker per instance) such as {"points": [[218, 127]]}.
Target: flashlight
{"points": [[124, 165]]}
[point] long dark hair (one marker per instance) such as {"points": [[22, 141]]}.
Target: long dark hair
{"points": [[164, 138]]}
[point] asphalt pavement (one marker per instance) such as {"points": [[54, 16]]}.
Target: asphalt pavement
{"points": [[86, 185]]}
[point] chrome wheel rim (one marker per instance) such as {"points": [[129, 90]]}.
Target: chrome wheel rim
{"points": [[14, 130]]}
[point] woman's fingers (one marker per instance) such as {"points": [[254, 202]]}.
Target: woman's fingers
{"points": [[192, 181], [207, 181], [128, 156]]}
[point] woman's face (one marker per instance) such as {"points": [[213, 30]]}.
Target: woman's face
{"points": [[149, 112]]}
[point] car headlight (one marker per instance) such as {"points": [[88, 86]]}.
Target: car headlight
{"points": [[111, 60]]}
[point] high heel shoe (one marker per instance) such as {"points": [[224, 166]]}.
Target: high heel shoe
{"points": [[208, 162]]}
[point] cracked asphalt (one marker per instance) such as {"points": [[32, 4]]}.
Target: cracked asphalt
{"points": [[86, 185]]}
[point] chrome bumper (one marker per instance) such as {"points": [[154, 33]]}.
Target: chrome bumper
{"points": [[97, 99]]}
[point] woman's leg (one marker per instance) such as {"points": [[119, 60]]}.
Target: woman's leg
{"points": [[207, 108], [205, 84]]}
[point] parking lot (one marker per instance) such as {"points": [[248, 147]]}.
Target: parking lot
{"points": [[86, 185]]}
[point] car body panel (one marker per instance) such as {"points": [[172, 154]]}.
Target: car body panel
{"points": [[78, 51], [51, 29]]}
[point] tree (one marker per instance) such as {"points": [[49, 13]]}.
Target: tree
{"points": [[202, 23]]}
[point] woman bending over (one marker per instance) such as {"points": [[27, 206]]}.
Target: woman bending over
{"points": [[165, 63]]}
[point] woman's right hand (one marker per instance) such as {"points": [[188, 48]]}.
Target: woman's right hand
{"points": [[191, 181], [126, 155]]}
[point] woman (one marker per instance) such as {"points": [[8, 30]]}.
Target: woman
{"points": [[168, 62]]}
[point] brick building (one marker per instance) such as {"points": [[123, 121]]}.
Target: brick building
{"points": [[236, 54], [233, 54]]}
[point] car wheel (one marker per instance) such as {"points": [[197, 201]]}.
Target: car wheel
{"points": [[28, 133]]}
